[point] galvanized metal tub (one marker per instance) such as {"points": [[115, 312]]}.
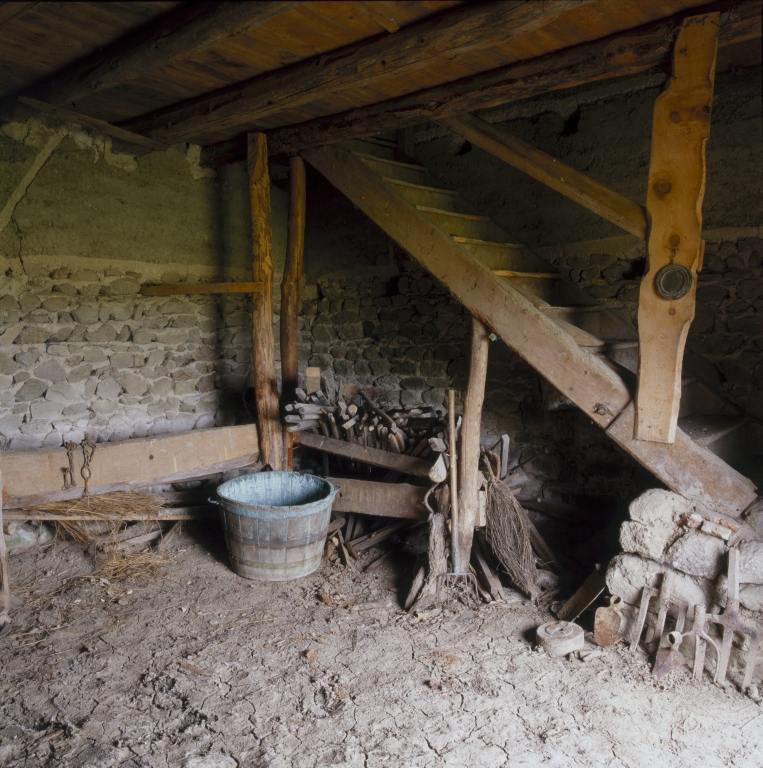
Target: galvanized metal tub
{"points": [[276, 523]]}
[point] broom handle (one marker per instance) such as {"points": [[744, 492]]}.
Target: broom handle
{"points": [[455, 555]]}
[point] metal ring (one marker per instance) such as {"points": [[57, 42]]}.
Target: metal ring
{"points": [[673, 282]]}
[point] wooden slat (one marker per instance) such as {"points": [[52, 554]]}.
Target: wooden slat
{"points": [[559, 176], [34, 477], [263, 344], [687, 468], [680, 130], [365, 497], [173, 289], [11, 11], [407, 465], [357, 66], [625, 53], [191, 29]]}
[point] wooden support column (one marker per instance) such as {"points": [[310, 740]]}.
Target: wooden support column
{"points": [[295, 244], [263, 346], [680, 130], [469, 477]]}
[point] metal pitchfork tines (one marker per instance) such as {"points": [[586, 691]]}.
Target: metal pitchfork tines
{"points": [[457, 576]]}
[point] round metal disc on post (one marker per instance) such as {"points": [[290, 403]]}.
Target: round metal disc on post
{"points": [[672, 282]]}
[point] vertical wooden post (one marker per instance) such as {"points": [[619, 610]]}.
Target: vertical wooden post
{"points": [[295, 244], [469, 455], [680, 130], [263, 346]]}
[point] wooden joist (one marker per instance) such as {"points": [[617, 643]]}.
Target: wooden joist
{"points": [[173, 289], [72, 116], [680, 130], [624, 53], [193, 28], [366, 497], [34, 477], [400, 462], [559, 176], [359, 65]]}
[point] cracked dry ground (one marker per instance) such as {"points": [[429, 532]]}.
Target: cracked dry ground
{"points": [[203, 669]]}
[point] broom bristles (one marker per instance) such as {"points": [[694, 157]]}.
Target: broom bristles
{"points": [[508, 533]]}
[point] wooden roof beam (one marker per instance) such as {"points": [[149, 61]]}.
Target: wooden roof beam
{"points": [[625, 53], [445, 36], [193, 28]]}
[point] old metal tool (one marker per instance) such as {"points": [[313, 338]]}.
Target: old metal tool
{"points": [[457, 575], [731, 621], [669, 658], [608, 625]]}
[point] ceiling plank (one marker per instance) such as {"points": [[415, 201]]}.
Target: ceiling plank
{"points": [[10, 11], [444, 37], [626, 53], [178, 35]]}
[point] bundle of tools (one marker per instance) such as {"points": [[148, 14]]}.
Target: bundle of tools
{"points": [[366, 419]]}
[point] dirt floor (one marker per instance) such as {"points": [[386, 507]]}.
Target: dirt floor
{"points": [[200, 668]]}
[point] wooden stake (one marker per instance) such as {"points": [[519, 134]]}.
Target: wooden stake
{"points": [[469, 477], [680, 131], [295, 244], [263, 347]]}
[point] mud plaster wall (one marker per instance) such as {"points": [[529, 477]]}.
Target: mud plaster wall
{"points": [[80, 229]]}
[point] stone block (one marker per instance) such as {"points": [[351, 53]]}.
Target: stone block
{"points": [[26, 442], [104, 407], [51, 370], [123, 286], [415, 383], [75, 409], [28, 302], [7, 364], [60, 392], [659, 507], [34, 334], [56, 303], [85, 314], [133, 384], [9, 425], [108, 389], [172, 336], [648, 540], [324, 333], [46, 410], [627, 574], [103, 333], [751, 597], [697, 554], [122, 360], [188, 387], [80, 373], [751, 562], [31, 389]]}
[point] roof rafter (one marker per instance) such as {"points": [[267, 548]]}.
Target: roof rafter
{"points": [[193, 28], [444, 36], [625, 53]]}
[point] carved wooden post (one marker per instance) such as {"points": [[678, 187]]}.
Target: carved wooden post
{"points": [[680, 131], [469, 477], [263, 351], [292, 273]]}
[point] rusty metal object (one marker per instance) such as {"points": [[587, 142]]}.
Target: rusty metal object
{"points": [[731, 621], [608, 627], [670, 658]]}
